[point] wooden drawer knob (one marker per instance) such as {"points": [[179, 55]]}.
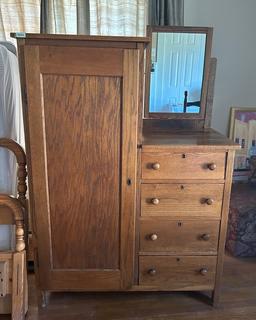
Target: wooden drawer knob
{"points": [[153, 237], [156, 166], [155, 201], [152, 272], [212, 166], [204, 271], [209, 201], [205, 237]]}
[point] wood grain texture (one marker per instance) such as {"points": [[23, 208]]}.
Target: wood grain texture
{"points": [[90, 61], [175, 180], [238, 301], [183, 199], [223, 226], [47, 278], [187, 165], [83, 148], [6, 306], [179, 236], [19, 290], [160, 137], [81, 38], [7, 257], [131, 101], [36, 156], [178, 273], [210, 92], [88, 207]]}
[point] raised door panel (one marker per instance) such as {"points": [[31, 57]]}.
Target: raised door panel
{"points": [[82, 140], [82, 132]]}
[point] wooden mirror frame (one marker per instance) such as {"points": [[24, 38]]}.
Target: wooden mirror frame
{"points": [[161, 115]]}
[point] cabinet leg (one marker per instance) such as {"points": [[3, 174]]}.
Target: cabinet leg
{"points": [[44, 299], [215, 298]]}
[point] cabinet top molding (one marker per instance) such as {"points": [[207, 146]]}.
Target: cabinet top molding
{"points": [[40, 36]]}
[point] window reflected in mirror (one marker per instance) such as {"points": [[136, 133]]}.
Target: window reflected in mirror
{"points": [[177, 70]]}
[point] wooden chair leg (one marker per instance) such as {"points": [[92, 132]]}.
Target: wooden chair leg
{"points": [[19, 287]]}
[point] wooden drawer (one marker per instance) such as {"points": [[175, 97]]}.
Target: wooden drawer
{"points": [[177, 273], [181, 199], [188, 237], [183, 165]]}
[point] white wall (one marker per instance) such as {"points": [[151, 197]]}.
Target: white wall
{"points": [[234, 45]]}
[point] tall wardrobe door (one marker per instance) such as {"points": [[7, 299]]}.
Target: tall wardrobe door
{"points": [[82, 119]]}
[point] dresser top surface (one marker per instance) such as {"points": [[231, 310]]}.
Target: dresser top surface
{"points": [[182, 138]]}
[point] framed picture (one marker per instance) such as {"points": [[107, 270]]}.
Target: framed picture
{"points": [[242, 130]]}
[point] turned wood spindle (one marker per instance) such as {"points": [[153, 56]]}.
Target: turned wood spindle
{"points": [[20, 243], [22, 185]]}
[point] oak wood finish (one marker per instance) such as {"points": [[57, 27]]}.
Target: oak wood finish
{"points": [[159, 137], [88, 220], [176, 236], [238, 301], [223, 226], [178, 273], [53, 59], [210, 93], [88, 163], [181, 199], [185, 186], [185, 165], [81, 126]]}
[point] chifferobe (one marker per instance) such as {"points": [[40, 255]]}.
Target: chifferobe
{"points": [[114, 208]]}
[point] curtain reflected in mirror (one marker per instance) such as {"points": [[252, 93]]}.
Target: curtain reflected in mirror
{"points": [[177, 69]]}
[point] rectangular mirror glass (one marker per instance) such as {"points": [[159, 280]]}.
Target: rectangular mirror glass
{"points": [[178, 71]]}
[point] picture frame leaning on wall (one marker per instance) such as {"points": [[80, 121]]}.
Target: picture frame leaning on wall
{"points": [[242, 129]]}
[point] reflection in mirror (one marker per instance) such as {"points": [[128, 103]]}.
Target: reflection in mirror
{"points": [[177, 67]]}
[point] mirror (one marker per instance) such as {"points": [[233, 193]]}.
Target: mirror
{"points": [[177, 71]]}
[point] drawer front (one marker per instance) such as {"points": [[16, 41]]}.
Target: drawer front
{"points": [[183, 165], [188, 237], [181, 199], [177, 273]]}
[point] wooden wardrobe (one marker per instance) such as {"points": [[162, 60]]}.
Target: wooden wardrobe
{"points": [[82, 102], [112, 208]]}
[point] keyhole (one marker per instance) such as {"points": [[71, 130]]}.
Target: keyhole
{"points": [[182, 187], [179, 224], [183, 155], [129, 182]]}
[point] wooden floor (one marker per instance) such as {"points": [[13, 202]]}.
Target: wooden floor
{"points": [[238, 301]]}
